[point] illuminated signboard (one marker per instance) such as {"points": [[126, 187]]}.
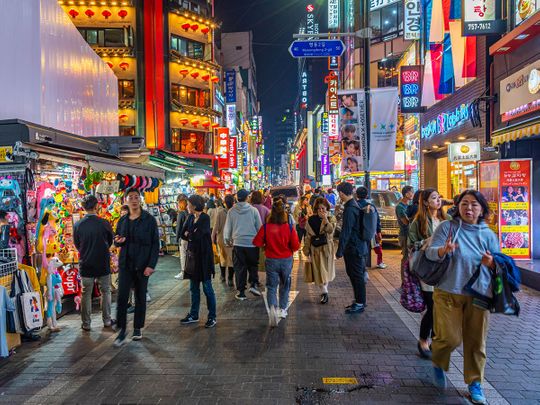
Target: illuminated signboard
{"points": [[412, 20], [304, 88], [376, 4], [482, 17], [525, 9], [324, 123], [446, 122], [325, 165], [230, 86], [231, 118], [233, 155], [332, 101], [333, 14], [411, 89], [333, 126], [222, 149]]}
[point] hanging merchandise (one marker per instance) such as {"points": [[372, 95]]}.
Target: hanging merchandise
{"points": [[6, 305]]}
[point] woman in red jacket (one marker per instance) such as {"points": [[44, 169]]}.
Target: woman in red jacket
{"points": [[280, 240]]}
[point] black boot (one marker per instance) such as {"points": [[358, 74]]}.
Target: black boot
{"points": [[222, 273], [231, 277]]}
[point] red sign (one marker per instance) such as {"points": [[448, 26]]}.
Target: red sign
{"points": [[332, 100], [515, 209], [226, 177], [310, 8], [411, 89], [70, 280], [233, 156], [222, 147]]}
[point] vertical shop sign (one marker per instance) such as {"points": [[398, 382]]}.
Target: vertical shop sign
{"points": [[515, 211], [230, 86], [325, 165], [324, 123], [352, 121], [231, 118], [488, 173], [411, 89], [332, 101], [482, 17], [222, 150], [333, 14], [333, 63], [333, 126], [413, 22], [233, 155]]}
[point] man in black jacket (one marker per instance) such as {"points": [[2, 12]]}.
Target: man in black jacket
{"points": [[352, 248], [93, 236], [138, 236]]}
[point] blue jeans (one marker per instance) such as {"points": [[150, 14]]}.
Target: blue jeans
{"points": [[195, 289], [278, 273]]}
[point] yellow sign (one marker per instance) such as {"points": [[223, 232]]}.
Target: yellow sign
{"points": [[340, 380], [4, 152]]}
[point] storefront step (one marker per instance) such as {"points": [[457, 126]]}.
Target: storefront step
{"points": [[530, 273]]}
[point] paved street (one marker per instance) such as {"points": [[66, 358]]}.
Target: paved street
{"points": [[243, 361]]}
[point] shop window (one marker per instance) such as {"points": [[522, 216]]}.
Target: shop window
{"points": [[126, 131], [190, 96], [126, 89], [387, 73], [186, 47], [108, 37], [386, 22], [191, 142]]}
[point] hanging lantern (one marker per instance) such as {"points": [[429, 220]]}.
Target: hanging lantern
{"points": [[73, 13], [106, 13], [205, 77], [195, 75], [215, 79], [122, 14], [195, 122], [184, 121], [215, 125], [195, 27], [123, 117], [206, 124], [89, 13], [205, 30], [184, 72], [110, 64], [124, 65], [186, 26]]}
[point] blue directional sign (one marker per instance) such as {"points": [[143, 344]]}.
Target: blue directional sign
{"points": [[321, 48]]}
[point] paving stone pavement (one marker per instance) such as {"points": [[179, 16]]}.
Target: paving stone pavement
{"points": [[243, 361]]}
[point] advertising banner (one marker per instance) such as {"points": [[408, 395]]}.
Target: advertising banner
{"points": [[482, 17], [488, 173], [519, 93], [233, 153], [384, 108], [333, 14], [332, 101], [230, 86], [515, 208], [222, 149], [410, 89], [231, 118], [352, 121], [524, 9], [412, 20]]}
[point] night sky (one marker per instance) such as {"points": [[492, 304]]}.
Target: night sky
{"points": [[273, 22]]}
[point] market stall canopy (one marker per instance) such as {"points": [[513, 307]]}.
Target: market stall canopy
{"points": [[515, 132], [121, 167]]}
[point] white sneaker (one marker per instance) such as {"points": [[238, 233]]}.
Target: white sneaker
{"points": [[382, 266], [148, 298], [179, 276], [273, 318], [282, 313], [254, 290]]}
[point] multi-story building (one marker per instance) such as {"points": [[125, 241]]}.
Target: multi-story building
{"points": [[283, 135], [162, 52]]}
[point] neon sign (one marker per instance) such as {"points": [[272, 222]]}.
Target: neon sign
{"points": [[411, 89], [446, 122]]}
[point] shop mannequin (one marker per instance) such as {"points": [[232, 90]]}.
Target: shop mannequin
{"points": [[55, 292]]}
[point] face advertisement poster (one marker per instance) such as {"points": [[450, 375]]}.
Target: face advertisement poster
{"points": [[488, 173], [352, 126], [515, 208]]}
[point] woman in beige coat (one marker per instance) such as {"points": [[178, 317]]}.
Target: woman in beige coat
{"points": [[319, 247], [224, 251]]}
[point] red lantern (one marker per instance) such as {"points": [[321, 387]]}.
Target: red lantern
{"points": [[205, 30], [215, 79], [195, 122], [184, 72], [89, 13], [123, 117], [206, 124], [106, 13], [205, 77], [215, 125], [195, 75], [73, 13], [122, 14], [110, 64], [195, 27], [186, 26], [184, 121], [124, 65]]}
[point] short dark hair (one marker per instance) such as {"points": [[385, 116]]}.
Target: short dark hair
{"points": [[481, 200], [197, 201], [321, 201], [3, 214], [181, 197], [256, 197], [132, 190], [417, 195], [406, 189], [90, 202], [361, 193], [229, 201], [345, 188]]}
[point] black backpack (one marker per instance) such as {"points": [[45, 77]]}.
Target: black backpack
{"points": [[368, 222]]}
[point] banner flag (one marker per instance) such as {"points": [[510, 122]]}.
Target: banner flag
{"points": [[384, 109]]}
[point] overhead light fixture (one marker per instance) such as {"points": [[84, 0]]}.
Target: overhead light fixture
{"points": [[503, 49], [435, 146], [462, 138], [447, 142], [522, 36]]}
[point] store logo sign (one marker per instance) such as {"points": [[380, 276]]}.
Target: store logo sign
{"points": [[233, 156], [464, 152], [446, 122], [411, 89]]}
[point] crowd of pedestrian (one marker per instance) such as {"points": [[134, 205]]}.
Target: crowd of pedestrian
{"points": [[253, 231]]}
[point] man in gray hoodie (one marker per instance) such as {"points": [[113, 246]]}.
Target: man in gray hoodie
{"points": [[242, 224]]}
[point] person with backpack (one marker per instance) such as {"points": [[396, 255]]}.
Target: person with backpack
{"points": [[469, 245], [301, 213], [428, 218], [319, 247], [280, 240], [362, 195], [352, 247]]}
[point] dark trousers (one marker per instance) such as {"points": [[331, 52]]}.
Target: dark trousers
{"points": [[195, 289], [301, 232], [246, 261], [426, 326], [355, 266], [127, 280]]}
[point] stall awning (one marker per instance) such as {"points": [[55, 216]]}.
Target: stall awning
{"points": [[118, 166], [515, 132]]}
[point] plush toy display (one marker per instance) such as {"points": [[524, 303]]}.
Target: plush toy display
{"points": [[55, 292]]}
